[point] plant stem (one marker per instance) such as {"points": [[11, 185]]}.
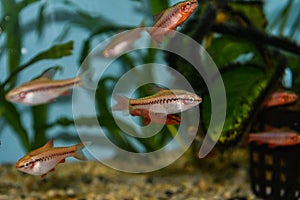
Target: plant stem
{"points": [[258, 37], [13, 36]]}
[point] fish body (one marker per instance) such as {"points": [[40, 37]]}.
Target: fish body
{"points": [[164, 102], [122, 42], [275, 139], [171, 18], [44, 159], [280, 98], [159, 118], [41, 90]]}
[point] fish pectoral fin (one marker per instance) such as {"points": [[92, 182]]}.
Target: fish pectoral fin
{"points": [[43, 175], [66, 93]]}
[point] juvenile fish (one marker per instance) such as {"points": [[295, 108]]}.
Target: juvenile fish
{"points": [[171, 18], [164, 102], [44, 159], [42, 90], [159, 118], [280, 98], [275, 139], [122, 42]]}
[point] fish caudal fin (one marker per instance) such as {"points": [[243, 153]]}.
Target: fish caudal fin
{"points": [[86, 80], [122, 103], [78, 153]]}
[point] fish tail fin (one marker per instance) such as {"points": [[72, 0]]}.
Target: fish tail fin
{"points": [[156, 40], [78, 152], [86, 79], [122, 103]]}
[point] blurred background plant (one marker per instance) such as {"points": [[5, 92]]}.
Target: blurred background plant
{"points": [[251, 44]]}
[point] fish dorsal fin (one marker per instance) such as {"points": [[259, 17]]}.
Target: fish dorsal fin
{"points": [[50, 72], [48, 145], [165, 92], [158, 16], [154, 88]]}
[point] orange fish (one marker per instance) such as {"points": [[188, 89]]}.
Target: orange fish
{"points": [[159, 118], [163, 102], [280, 98], [42, 90], [171, 18], [122, 42], [275, 139], [44, 159]]}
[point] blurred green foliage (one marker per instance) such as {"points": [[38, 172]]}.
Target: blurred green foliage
{"points": [[234, 33]]}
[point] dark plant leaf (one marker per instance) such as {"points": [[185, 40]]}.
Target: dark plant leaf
{"points": [[54, 52], [9, 112], [39, 118]]}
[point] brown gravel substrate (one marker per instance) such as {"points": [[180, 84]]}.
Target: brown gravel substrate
{"points": [[221, 177]]}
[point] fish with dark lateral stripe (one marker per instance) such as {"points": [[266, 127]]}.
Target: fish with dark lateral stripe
{"points": [[171, 18], [164, 101], [43, 89], [44, 159], [275, 139]]}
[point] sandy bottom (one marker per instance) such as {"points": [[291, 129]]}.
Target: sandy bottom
{"points": [[220, 177]]}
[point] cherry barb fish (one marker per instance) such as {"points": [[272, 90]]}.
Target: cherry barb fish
{"points": [[44, 159], [171, 18], [275, 139], [164, 102], [280, 98], [122, 42], [42, 90]]}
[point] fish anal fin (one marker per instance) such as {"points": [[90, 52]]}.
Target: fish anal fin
{"points": [[146, 121]]}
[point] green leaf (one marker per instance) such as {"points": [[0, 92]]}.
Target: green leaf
{"points": [[254, 13], [41, 19], [9, 112], [54, 52], [227, 49], [243, 88], [39, 118], [22, 4], [158, 6]]}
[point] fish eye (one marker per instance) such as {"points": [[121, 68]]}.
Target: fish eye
{"points": [[26, 164], [189, 100], [22, 95]]}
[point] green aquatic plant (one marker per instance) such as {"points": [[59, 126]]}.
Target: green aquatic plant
{"points": [[250, 59]]}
